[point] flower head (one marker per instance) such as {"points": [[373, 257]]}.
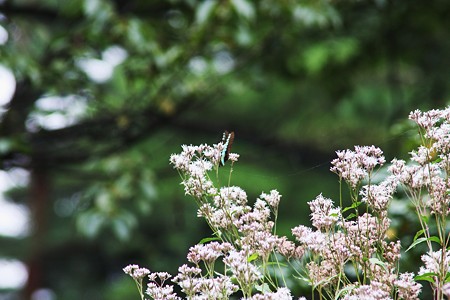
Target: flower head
{"points": [[323, 213], [374, 291], [433, 261], [407, 288], [207, 253], [354, 166], [242, 269], [136, 272], [281, 294], [377, 196], [273, 198]]}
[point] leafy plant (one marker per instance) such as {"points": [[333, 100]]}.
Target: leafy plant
{"points": [[346, 254]]}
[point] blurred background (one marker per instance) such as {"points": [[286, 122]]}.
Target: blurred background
{"points": [[95, 95]]}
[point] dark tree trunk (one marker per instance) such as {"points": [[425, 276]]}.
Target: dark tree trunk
{"points": [[39, 204]]}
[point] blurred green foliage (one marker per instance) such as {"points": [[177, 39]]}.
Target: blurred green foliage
{"points": [[133, 80]]}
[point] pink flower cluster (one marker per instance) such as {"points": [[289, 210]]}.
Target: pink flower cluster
{"points": [[136, 272], [434, 261], [354, 166], [436, 127], [346, 254]]}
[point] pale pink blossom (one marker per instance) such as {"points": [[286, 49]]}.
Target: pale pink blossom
{"points": [[161, 276], [136, 272], [413, 176], [261, 242], [338, 250], [323, 213], [354, 166], [245, 272], [219, 288], [363, 235], [374, 291], [199, 168], [382, 272], [196, 160], [207, 253], [187, 278], [427, 119], [158, 290], [314, 240], [281, 294], [433, 262], [439, 200], [440, 136], [198, 186], [213, 153], [273, 198], [323, 273], [233, 157], [407, 288], [229, 196], [377, 196], [446, 289], [421, 156], [285, 247], [392, 251]]}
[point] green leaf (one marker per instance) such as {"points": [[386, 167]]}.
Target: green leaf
{"points": [[278, 264], [325, 281], [376, 261], [426, 277], [263, 288], [303, 278], [423, 239], [345, 49], [447, 277], [435, 239], [252, 257], [208, 239], [316, 57], [437, 160], [425, 219], [344, 291], [350, 216], [419, 233], [353, 206], [416, 242]]}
